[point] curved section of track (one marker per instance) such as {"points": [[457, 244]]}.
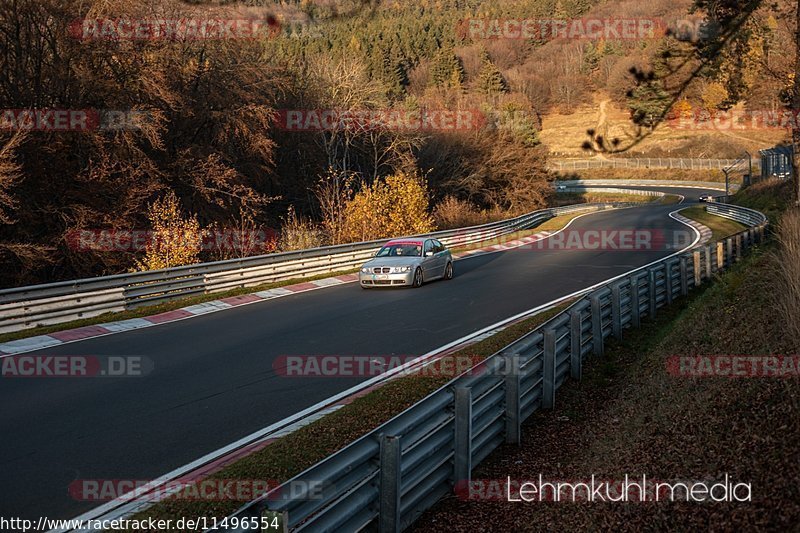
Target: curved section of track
{"points": [[214, 382]]}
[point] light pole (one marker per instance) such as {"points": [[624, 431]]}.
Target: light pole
{"points": [[727, 171], [749, 169]]}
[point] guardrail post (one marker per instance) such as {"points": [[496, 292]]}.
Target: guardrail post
{"points": [[720, 256], [549, 370], [597, 326], [513, 400], [728, 251], [684, 275], [462, 459], [616, 311], [576, 344], [668, 281], [636, 319], [389, 516], [739, 241], [708, 261], [652, 292], [698, 275]]}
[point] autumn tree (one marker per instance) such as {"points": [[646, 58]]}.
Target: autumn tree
{"points": [[714, 96], [391, 207], [175, 240]]}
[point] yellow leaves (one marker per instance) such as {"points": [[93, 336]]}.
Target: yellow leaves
{"points": [[713, 96], [393, 207], [682, 109], [174, 241]]}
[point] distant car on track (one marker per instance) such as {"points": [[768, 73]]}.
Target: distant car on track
{"points": [[706, 198], [407, 263]]}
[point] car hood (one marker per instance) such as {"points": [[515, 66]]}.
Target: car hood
{"points": [[393, 261]]}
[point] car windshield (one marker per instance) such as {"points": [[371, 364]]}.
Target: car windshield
{"points": [[405, 249]]}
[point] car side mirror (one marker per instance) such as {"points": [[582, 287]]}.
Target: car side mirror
{"points": [[428, 254]]}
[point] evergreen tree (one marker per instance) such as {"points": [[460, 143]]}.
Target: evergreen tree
{"points": [[456, 81], [591, 57], [490, 79], [393, 72], [648, 103], [447, 70]]}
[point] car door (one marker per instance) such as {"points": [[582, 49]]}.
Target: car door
{"points": [[441, 257], [429, 260]]}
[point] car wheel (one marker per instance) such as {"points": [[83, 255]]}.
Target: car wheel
{"points": [[417, 278], [448, 271]]}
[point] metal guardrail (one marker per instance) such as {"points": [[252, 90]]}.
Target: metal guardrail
{"points": [[53, 303], [721, 208], [580, 189], [387, 478], [720, 186], [641, 162]]}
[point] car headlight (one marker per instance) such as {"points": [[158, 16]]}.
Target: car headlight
{"points": [[401, 270], [365, 270]]}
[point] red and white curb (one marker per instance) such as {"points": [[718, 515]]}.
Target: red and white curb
{"points": [[705, 233], [72, 335], [50, 340]]}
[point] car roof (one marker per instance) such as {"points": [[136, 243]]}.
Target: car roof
{"points": [[412, 242]]}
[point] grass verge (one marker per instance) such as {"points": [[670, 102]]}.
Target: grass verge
{"points": [[652, 174], [720, 227], [572, 198]]}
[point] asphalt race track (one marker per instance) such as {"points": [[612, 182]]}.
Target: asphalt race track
{"points": [[213, 380]]}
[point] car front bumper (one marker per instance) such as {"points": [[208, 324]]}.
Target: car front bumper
{"points": [[406, 279]]}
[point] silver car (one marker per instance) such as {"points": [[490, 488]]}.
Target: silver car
{"points": [[407, 263]]}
